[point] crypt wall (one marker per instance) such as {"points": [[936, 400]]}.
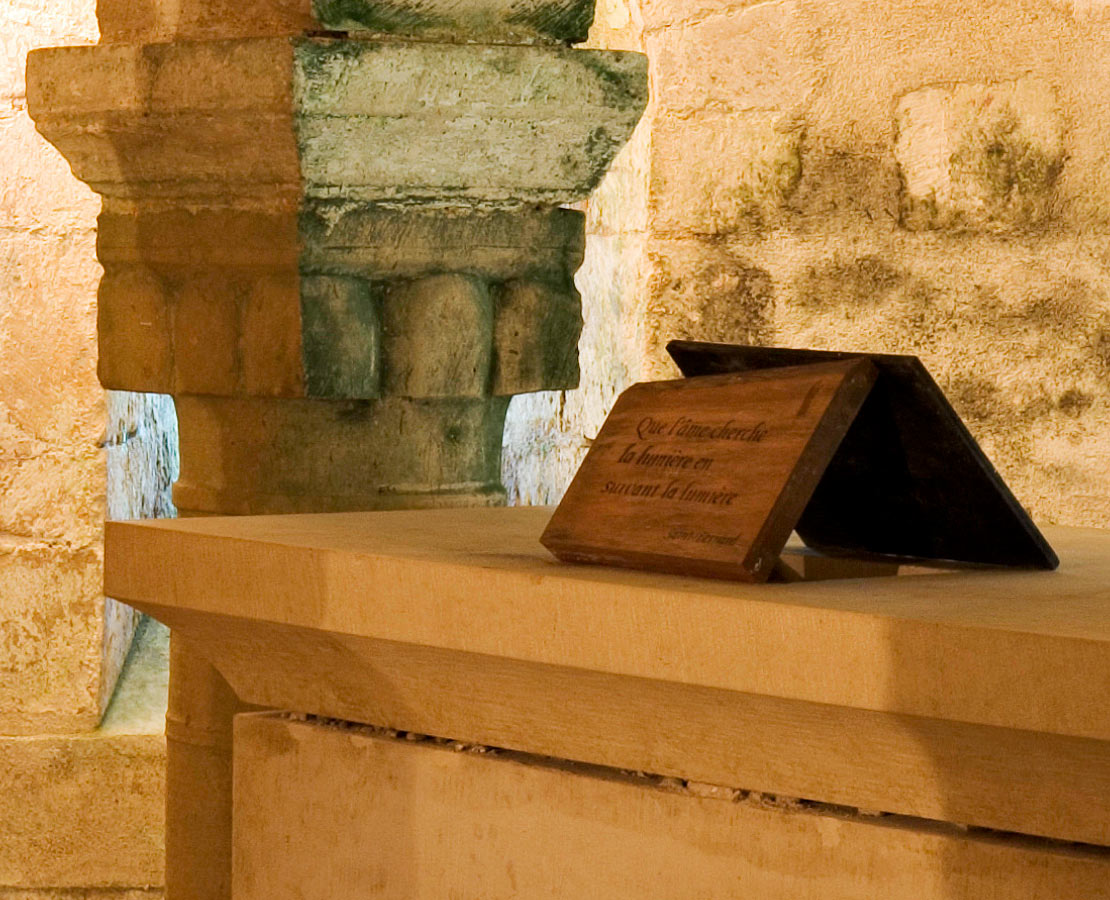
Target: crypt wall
{"points": [[80, 773], [919, 177], [925, 177]]}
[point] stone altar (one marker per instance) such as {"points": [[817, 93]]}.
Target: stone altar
{"points": [[621, 734]]}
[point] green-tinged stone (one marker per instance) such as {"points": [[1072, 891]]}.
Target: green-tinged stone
{"points": [[567, 21], [451, 123], [384, 243], [341, 335]]}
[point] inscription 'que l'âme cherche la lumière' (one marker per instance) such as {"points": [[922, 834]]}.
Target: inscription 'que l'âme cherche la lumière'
{"points": [[655, 452]]}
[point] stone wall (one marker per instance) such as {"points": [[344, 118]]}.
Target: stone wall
{"points": [[80, 801], [920, 176]]}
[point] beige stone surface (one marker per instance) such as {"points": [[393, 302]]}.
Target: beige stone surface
{"points": [[82, 815], [165, 20], [979, 155], [756, 166], [386, 121], [212, 115], [326, 812], [52, 484], [258, 456], [61, 645], [51, 607], [437, 337], [81, 894], [922, 176]]}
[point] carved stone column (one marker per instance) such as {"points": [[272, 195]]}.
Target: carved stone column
{"points": [[333, 233]]}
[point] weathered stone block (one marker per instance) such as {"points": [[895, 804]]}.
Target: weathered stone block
{"points": [[56, 496], [50, 609], [521, 21], [49, 399], [262, 456], [83, 814], [167, 238], [845, 188], [157, 20], [761, 58], [540, 123], [699, 290], [383, 243], [386, 121], [514, 21], [146, 120], [716, 173], [437, 337], [342, 328], [980, 156], [133, 322], [536, 338], [206, 335], [271, 336]]}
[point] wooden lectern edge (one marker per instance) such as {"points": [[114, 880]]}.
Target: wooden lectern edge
{"points": [[815, 459], [762, 558]]}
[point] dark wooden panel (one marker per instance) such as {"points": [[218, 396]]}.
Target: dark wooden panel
{"points": [[909, 480]]}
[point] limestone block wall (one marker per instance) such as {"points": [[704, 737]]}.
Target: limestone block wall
{"points": [[69, 452], [80, 794], [917, 176]]}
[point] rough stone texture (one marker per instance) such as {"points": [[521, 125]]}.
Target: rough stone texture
{"points": [[141, 445], [536, 338], [386, 121], [184, 312], [342, 337], [513, 21], [438, 332], [198, 118], [80, 809], [923, 176], [385, 242], [756, 168], [510, 21], [156, 20], [259, 456], [83, 814], [61, 646], [983, 156], [81, 894], [51, 607]]}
